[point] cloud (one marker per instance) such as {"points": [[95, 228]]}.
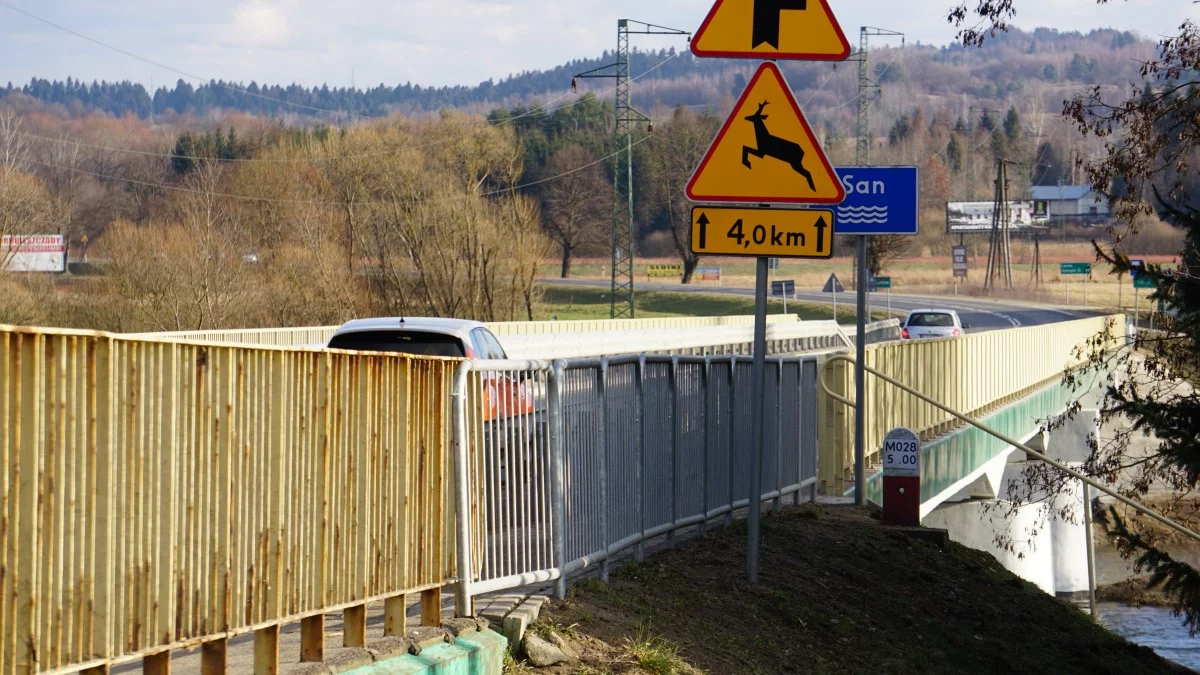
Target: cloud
{"points": [[259, 23]]}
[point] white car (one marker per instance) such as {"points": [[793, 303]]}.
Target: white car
{"points": [[421, 336], [932, 323]]}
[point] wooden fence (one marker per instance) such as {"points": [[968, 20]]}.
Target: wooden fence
{"points": [[159, 495]]}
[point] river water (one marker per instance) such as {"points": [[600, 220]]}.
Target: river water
{"points": [[1153, 627]]}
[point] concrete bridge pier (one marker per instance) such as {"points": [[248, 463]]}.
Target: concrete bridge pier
{"points": [[1044, 540]]}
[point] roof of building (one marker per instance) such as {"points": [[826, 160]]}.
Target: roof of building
{"points": [[1060, 192]]}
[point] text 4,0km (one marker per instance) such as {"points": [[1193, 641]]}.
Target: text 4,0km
{"points": [[776, 233]]}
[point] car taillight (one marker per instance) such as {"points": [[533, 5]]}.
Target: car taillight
{"points": [[904, 333], [956, 332]]}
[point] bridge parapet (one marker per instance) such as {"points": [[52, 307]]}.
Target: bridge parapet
{"points": [[974, 374], [161, 494]]}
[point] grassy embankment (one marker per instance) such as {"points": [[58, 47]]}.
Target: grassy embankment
{"points": [[570, 303], [838, 593]]}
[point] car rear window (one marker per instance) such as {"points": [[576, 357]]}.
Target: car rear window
{"points": [[931, 320], [405, 342]]}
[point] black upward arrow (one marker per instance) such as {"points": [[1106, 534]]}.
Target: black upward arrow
{"points": [[766, 19], [703, 223], [821, 225]]}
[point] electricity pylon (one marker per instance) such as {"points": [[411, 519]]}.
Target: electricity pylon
{"points": [[623, 230]]}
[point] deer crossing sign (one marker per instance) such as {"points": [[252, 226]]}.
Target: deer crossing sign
{"points": [[766, 152]]}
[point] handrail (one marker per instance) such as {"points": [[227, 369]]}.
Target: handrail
{"points": [[1013, 442]]}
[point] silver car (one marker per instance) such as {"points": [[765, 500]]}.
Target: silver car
{"points": [[932, 323]]}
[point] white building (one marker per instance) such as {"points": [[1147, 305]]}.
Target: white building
{"points": [[1072, 200]]}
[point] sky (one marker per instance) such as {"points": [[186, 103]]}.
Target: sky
{"points": [[428, 42]]}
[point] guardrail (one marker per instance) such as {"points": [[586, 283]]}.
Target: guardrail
{"points": [[160, 495], [615, 453], [975, 373]]}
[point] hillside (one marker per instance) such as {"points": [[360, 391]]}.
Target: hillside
{"points": [[838, 594], [1038, 68]]}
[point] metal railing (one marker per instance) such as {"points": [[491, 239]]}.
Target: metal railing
{"points": [[598, 456], [161, 494], [1086, 480], [974, 373]]}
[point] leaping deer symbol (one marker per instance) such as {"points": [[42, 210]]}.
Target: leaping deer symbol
{"points": [[782, 149]]}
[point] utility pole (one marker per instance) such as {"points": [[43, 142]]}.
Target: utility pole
{"points": [[623, 231], [1000, 250], [863, 140], [862, 157]]}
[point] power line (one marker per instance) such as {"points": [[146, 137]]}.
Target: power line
{"points": [[307, 202]]}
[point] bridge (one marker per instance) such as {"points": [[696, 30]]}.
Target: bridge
{"points": [[168, 492]]}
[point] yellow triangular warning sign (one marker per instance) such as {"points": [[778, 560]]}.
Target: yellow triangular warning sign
{"points": [[771, 29], [766, 152]]}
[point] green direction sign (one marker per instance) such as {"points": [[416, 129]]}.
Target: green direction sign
{"points": [[1075, 268], [883, 282], [1144, 281]]}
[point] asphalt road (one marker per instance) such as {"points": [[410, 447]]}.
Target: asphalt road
{"points": [[982, 314]]}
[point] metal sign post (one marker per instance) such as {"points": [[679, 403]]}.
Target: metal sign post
{"points": [[758, 396], [790, 168], [860, 462]]}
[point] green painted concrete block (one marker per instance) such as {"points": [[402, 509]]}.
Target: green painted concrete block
{"points": [[475, 654]]}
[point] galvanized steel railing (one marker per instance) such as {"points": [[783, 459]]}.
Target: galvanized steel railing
{"points": [[616, 452], [159, 494], [973, 374]]}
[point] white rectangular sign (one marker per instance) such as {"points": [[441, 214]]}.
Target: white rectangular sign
{"points": [[901, 453], [977, 216], [33, 253]]}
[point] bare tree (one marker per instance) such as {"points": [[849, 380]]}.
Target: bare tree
{"points": [[14, 145], [578, 204], [673, 153]]}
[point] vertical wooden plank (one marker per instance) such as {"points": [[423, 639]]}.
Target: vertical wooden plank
{"points": [[168, 495], [214, 657], [312, 639], [431, 607], [355, 627], [8, 465], [157, 664], [393, 615], [277, 443], [266, 651], [29, 551], [51, 596], [100, 440]]}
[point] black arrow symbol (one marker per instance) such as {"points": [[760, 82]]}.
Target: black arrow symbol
{"points": [[703, 222], [821, 225], [766, 19]]}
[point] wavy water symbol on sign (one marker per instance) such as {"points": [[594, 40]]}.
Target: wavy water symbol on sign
{"points": [[863, 215]]}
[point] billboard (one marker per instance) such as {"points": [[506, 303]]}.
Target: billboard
{"points": [[33, 253], [977, 216]]}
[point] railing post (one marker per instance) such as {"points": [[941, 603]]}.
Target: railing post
{"points": [[213, 657], [558, 501], [157, 664], [605, 451], [676, 425], [354, 626], [732, 437], [778, 434], [431, 607], [266, 651], [707, 444], [640, 551], [312, 639], [462, 492], [393, 614]]}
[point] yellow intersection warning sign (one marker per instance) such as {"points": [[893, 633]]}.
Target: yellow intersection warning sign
{"points": [[776, 233], [771, 29], [766, 152]]}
